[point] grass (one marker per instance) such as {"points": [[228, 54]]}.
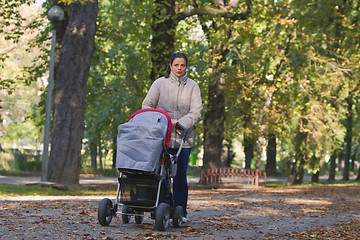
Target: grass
{"points": [[33, 190], [85, 170], [29, 190], [193, 171], [15, 172], [109, 172], [309, 183]]}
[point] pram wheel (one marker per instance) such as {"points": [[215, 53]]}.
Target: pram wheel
{"points": [[162, 216], [105, 212], [139, 217], [125, 217], [178, 216]]}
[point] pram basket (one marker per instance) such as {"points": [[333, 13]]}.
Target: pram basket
{"points": [[138, 192]]}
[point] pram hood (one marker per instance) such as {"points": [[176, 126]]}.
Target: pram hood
{"points": [[141, 140]]}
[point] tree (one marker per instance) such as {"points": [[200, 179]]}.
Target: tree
{"points": [[117, 84], [19, 116], [163, 27], [218, 34], [69, 94]]}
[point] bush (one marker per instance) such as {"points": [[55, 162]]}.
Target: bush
{"points": [[27, 162]]}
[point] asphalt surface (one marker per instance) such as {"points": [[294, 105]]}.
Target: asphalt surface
{"points": [[95, 180]]}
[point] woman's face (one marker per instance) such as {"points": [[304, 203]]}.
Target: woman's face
{"points": [[178, 67]]}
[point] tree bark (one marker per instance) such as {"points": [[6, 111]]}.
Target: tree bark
{"points": [[292, 174], [225, 155], [69, 94], [93, 153], [114, 144], [300, 156], [315, 177], [249, 151], [215, 116], [348, 138], [271, 156], [300, 172], [259, 150], [214, 126], [163, 31], [101, 165], [332, 168]]}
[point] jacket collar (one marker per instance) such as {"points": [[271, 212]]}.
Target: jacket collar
{"points": [[179, 80]]}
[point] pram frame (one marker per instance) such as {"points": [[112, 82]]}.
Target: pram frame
{"points": [[107, 210]]}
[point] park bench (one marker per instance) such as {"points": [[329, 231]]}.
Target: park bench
{"points": [[231, 175]]}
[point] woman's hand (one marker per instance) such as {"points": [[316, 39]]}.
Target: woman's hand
{"points": [[174, 122]]}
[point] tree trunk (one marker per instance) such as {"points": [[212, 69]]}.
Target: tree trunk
{"points": [[114, 144], [259, 150], [249, 151], [69, 94], [225, 155], [93, 153], [300, 172], [163, 31], [215, 115], [332, 168], [353, 160], [315, 177], [271, 156], [101, 165], [292, 175], [214, 126], [348, 138]]}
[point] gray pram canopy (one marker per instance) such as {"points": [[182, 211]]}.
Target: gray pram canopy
{"points": [[141, 141]]}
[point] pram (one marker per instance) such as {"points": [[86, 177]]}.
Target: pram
{"points": [[146, 169]]}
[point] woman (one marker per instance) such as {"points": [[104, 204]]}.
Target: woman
{"points": [[180, 97]]}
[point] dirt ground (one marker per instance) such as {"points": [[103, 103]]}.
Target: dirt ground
{"points": [[311, 212]]}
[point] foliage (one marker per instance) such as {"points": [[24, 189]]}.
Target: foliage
{"points": [[20, 116], [288, 69], [117, 84], [13, 25]]}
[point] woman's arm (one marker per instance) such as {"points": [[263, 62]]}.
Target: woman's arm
{"points": [[194, 114], [152, 97]]}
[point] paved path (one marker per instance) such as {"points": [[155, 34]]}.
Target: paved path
{"points": [[92, 180], [246, 214]]}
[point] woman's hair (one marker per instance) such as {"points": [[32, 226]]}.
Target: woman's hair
{"points": [[172, 58]]}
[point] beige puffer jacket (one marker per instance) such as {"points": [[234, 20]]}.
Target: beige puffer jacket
{"points": [[181, 98]]}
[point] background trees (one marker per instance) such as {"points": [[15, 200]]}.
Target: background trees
{"points": [[280, 77]]}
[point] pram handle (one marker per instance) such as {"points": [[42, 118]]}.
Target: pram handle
{"points": [[181, 130]]}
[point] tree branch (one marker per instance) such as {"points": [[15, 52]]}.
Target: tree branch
{"points": [[227, 12], [224, 12], [7, 50], [336, 66]]}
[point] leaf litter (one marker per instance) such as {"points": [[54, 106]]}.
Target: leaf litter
{"points": [[301, 212]]}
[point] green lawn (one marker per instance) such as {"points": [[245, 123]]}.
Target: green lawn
{"points": [[47, 190]]}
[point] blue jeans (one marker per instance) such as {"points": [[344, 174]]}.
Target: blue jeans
{"points": [[180, 186]]}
